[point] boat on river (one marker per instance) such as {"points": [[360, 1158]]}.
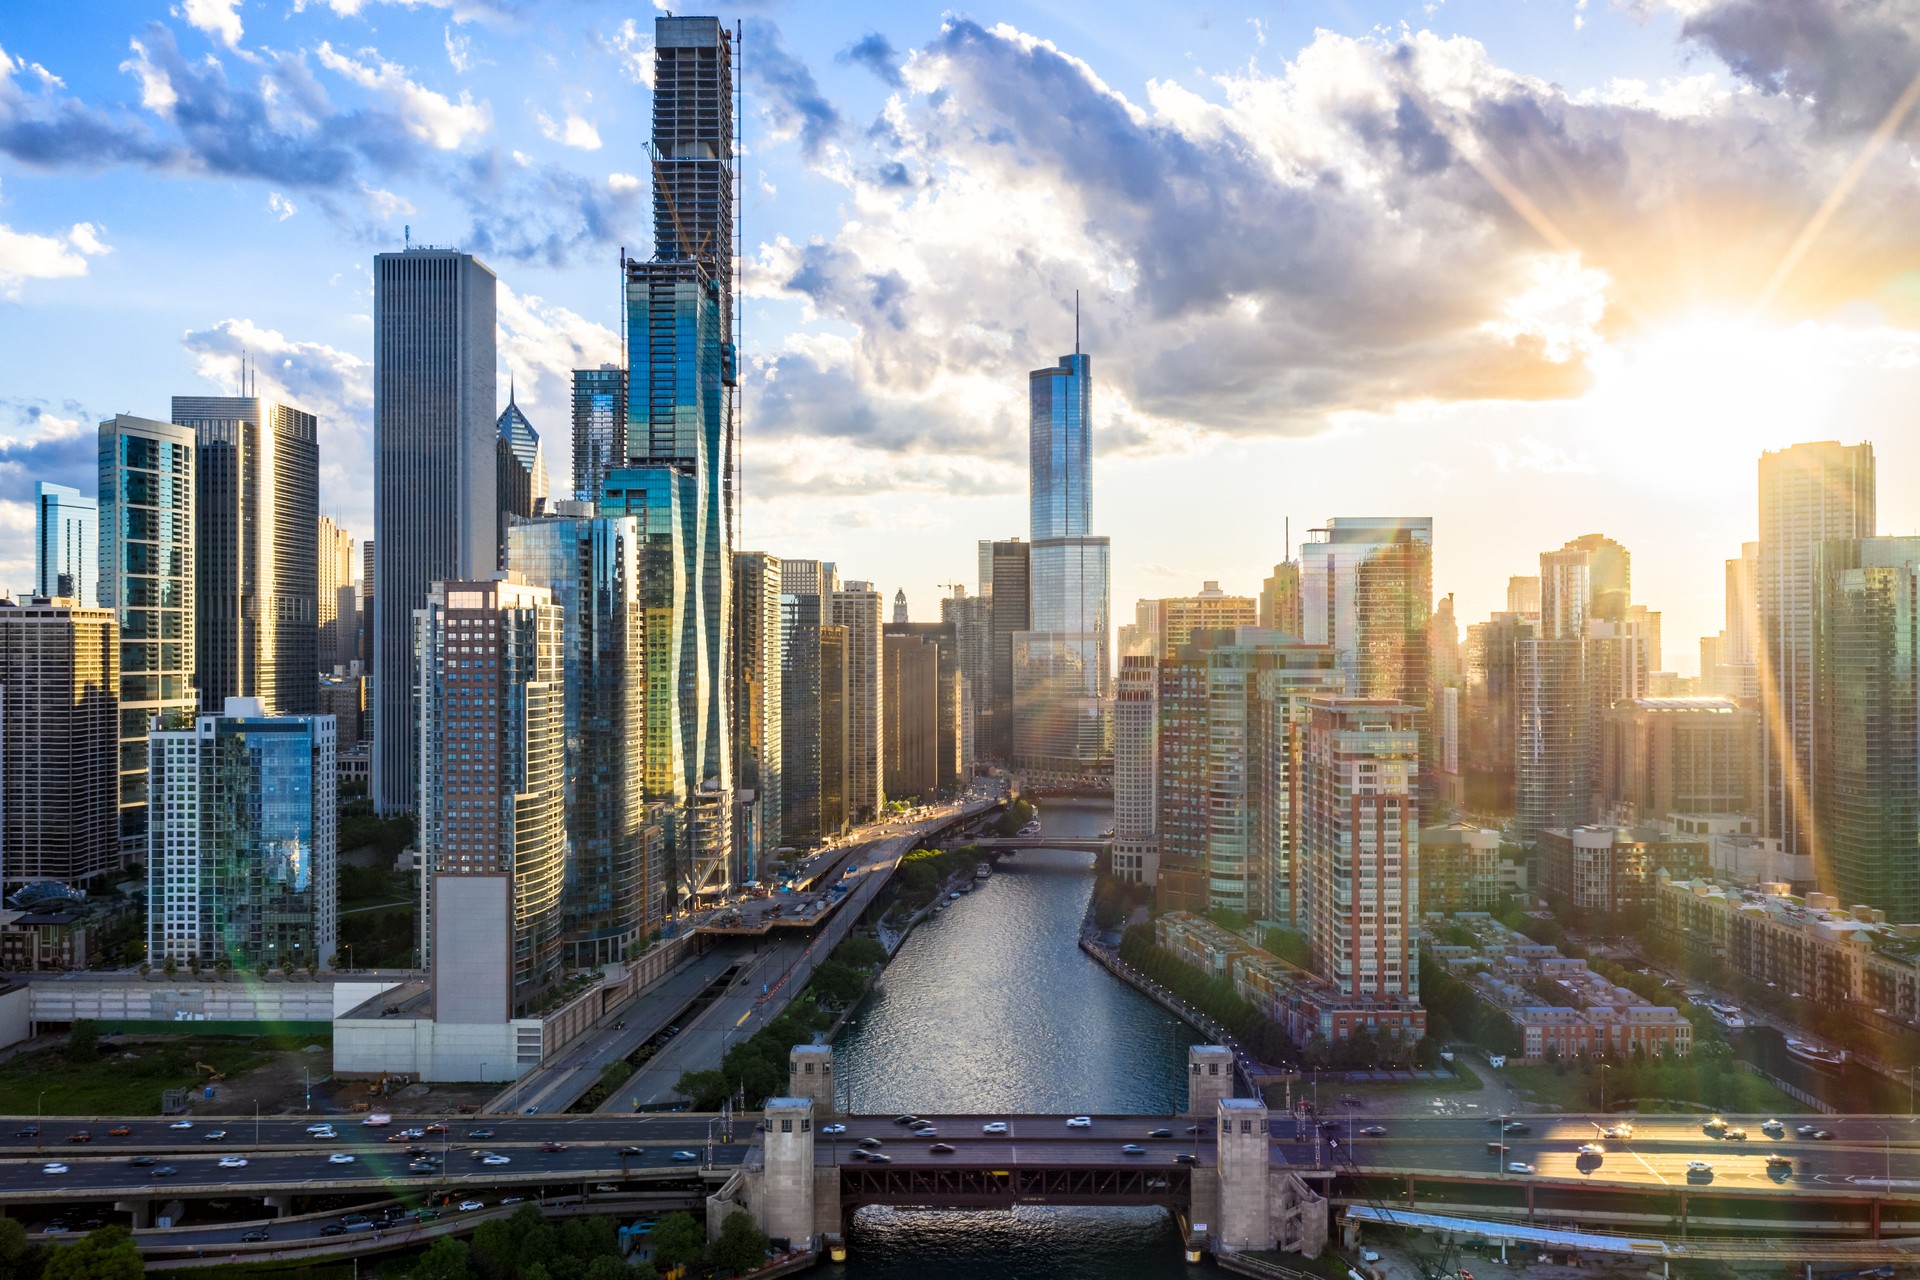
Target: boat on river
{"points": [[983, 871], [1818, 1054], [1727, 1015]]}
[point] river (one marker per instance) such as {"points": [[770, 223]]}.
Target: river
{"points": [[991, 1006]]}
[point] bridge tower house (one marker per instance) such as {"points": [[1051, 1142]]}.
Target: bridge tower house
{"points": [[784, 1203], [1209, 1077], [810, 1075], [1243, 1219]]}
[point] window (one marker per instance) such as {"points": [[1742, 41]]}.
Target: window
{"points": [[786, 1124]]}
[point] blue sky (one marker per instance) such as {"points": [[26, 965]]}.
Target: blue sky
{"points": [[1534, 269]]}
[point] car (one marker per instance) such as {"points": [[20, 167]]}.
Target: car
{"points": [[81, 1136], [879, 1157], [513, 1200], [906, 1119], [1159, 1133], [685, 1157], [355, 1220], [122, 1132], [1592, 1149], [1778, 1161], [553, 1146], [1806, 1130], [179, 1124], [633, 1151], [416, 1151], [1185, 1157], [1516, 1126], [340, 1157], [1196, 1128], [833, 1128], [1133, 1149], [1498, 1148], [399, 1137], [1519, 1166], [216, 1135], [1080, 1122], [55, 1167], [925, 1131], [605, 1188], [1735, 1135], [994, 1126], [870, 1143], [408, 1135], [1823, 1135], [492, 1159], [479, 1133], [318, 1125], [323, 1135], [858, 1153], [425, 1215], [420, 1166], [1698, 1169], [1375, 1131], [165, 1171], [941, 1148], [1617, 1132], [333, 1229], [1714, 1125], [376, 1120], [233, 1162], [468, 1206], [255, 1236], [144, 1162], [436, 1127], [1772, 1126], [31, 1131]]}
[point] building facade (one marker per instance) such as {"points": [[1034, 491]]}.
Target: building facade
{"points": [[599, 428], [947, 746], [66, 544], [244, 841], [336, 599], [911, 731], [1136, 770], [1679, 755], [856, 609], [1608, 868], [435, 474], [1011, 615], [147, 577], [60, 744], [757, 704]]}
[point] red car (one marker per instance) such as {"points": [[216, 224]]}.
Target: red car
{"points": [[436, 1128], [122, 1132], [82, 1136], [553, 1146]]}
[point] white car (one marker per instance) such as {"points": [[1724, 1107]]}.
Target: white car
{"points": [[181, 1124], [233, 1162], [468, 1206], [1772, 1126], [340, 1157], [833, 1128], [1617, 1132], [1519, 1166], [324, 1126], [495, 1160], [323, 1135], [53, 1168], [1080, 1122], [1592, 1149], [1698, 1167], [998, 1126]]}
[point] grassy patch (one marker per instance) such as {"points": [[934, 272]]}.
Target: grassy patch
{"points": [[1674, 1091], [53, 1085]]}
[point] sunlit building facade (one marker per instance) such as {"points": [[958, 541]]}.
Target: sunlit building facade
{"points": [[66, 544]]}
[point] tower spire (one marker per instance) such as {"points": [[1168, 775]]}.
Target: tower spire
{"points": [[1076, 322]]}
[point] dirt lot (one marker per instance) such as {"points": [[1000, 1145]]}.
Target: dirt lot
{"points": [[280, 1087]]}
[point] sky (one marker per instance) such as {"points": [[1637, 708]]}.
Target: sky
{"points": [[1534, 269]]}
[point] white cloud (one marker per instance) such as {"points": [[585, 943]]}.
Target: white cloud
{"points": [[622, 182], [573, 131], [156, 89], [385, 204], [27, 256], [633, 46], [218, 18], [281, 206], [432, 117], [541, 345], [460, 51]]}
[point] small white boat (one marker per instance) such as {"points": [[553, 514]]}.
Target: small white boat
{"points": [[1818, 1054], [983, 871]]}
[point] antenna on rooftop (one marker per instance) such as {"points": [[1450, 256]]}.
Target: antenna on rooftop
{"points": [[1076, 322]]}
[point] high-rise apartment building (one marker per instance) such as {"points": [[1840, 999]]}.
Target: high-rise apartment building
{"points": [[1809, 494], [492, 801], [66, 544], [1609, 578], [1729, 662], [836, 729], [435, 473], [1359, 848], [60, 780], [934, 736], [1865, 784], [856, 609], [1367, 590], [1665, 756], [1491, 732], [1523, 595], [599, 428], [806, 587], [257, 511], [245, 840], [972, 620], [1136, 770], [336, 599], [1280, 599], [1167, 626], [367, 559], [758, 700], [1062, 663], [147, 577], [1011, 614], [616, 875]]}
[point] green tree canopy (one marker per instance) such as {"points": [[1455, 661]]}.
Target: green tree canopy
{"points": [[106, 1254], [742, 1245], [678, 1241]]}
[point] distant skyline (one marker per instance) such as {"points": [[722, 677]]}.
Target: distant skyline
{"points": [[1533, 271]]}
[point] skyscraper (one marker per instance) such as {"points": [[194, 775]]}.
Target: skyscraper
{"points": [[1865, 784], [1011, 615], [1169, 625], [337, 600], [520, 473], [802, 732], [1809, 494], [599, 427], [147, 575], [1136, 761], [900, 605], [932, 733], [435, 473], [856, 608], [680, 425], [1493, 707], [972, 621], [257, 565], [66, 545], [616, 840], [520, 436], [492, 798], [1062, 664], [836, 732], [59, 742], [1280, 599], [757, 705], [245, 840]]}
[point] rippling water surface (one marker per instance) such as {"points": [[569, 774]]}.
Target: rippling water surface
{"points": [[992, 1007]]}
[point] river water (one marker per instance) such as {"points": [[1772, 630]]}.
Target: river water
{"points": [[991, 1006]]}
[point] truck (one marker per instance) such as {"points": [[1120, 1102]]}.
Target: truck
{"points": [[377, 1120]]}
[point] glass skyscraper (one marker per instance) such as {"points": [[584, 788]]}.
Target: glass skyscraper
{"points": [[1062, 664], [66, 545], [147, 522], [599, 427]]}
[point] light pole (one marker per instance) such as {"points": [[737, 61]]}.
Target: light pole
{"points": [[39, 1139]]}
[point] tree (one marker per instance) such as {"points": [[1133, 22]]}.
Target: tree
{"points": [[83, 1040], [678, 1241], [609, 1268], [19, 1258], [742, 1245], [446, 1259], [861, 952], [172, 966], [704, 1089], [838, 983], [106, 1254]]}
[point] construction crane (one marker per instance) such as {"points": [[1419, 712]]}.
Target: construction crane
{"points": [[952, 587]]}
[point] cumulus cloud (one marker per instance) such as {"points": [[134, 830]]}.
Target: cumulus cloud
{"points": [[27, 256], [569, 131], [632, 45], [432, 117], [1850, 61], [217, 18], [784, 88], [282, 207], [1385, 222], [877, 54], [59, 447]]}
